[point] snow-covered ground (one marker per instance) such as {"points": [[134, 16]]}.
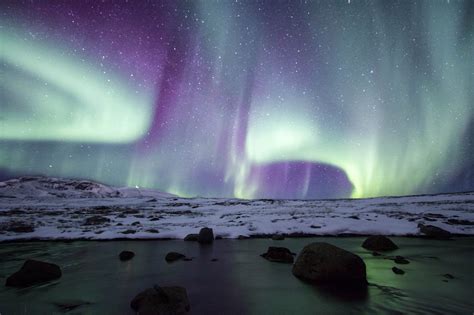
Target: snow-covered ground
{"points": [[51, 208]]}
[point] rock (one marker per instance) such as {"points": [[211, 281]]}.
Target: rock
{"points": [[398, 271], [173, 256], [218, 237], [379, 243], [192, 237], [278, 254], [136, 223], [152, 231], [375, 254], [96, 220], [126, 255], [33, 272], [242, 237], [129, 232], [214, 259], [206, 236], [448, 276], [70, 305], [18, 227], [327, 264], [278, 237], [460, 222], [401, 260], [161, 300], [315, 226], [432, 231]]}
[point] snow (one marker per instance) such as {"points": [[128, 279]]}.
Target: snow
{"points": [[58, 208]]}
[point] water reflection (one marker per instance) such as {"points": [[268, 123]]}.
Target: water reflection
{"points": [[240, 282]]}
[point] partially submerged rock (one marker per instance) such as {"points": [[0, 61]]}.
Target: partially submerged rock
{"points": [[278, 254], [161, 300], [126, 255], [435, 232], [398, 271], [206, 236], [401, 260], [174, 256], [323, 263], [379, 243], [278, 237], [66, 306], [192, 237], [33, 272]]}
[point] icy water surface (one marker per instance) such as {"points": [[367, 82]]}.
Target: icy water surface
{"points": [[240, 282]]}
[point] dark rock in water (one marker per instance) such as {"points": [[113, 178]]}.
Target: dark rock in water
{"points": [[136, 223], [278, 237], [206, 236], [218, 237], [96, 220], [324, 263], [315, 226], [375, 254], [70, 305], [242, 237], [173, 256], [379, 243], [129, 232], [448, 276], [33, 272], [126, 255], [214, 259], [152, 231], [401, 260], [432, 231], [161, 300], [398, 271], [278, 254], [192, 237]]}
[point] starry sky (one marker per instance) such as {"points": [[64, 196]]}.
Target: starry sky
{"points": [[246, 99]]}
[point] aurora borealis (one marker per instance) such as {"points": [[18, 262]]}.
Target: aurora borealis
{"points": [[248, 99]]}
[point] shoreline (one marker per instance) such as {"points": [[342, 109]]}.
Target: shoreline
{"points": [[250, 237]]}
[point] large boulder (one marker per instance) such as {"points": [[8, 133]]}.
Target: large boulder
{"points": [[161, 300], [278, 254], [432, 231], [33, 272], [323, 263], [379, 243], [206, 236], [126, 255]]}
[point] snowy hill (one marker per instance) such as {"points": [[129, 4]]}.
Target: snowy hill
{"points": [[52, 208], [40, 186]]}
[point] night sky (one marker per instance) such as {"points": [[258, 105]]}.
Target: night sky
{"points": [[248, 99]]}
